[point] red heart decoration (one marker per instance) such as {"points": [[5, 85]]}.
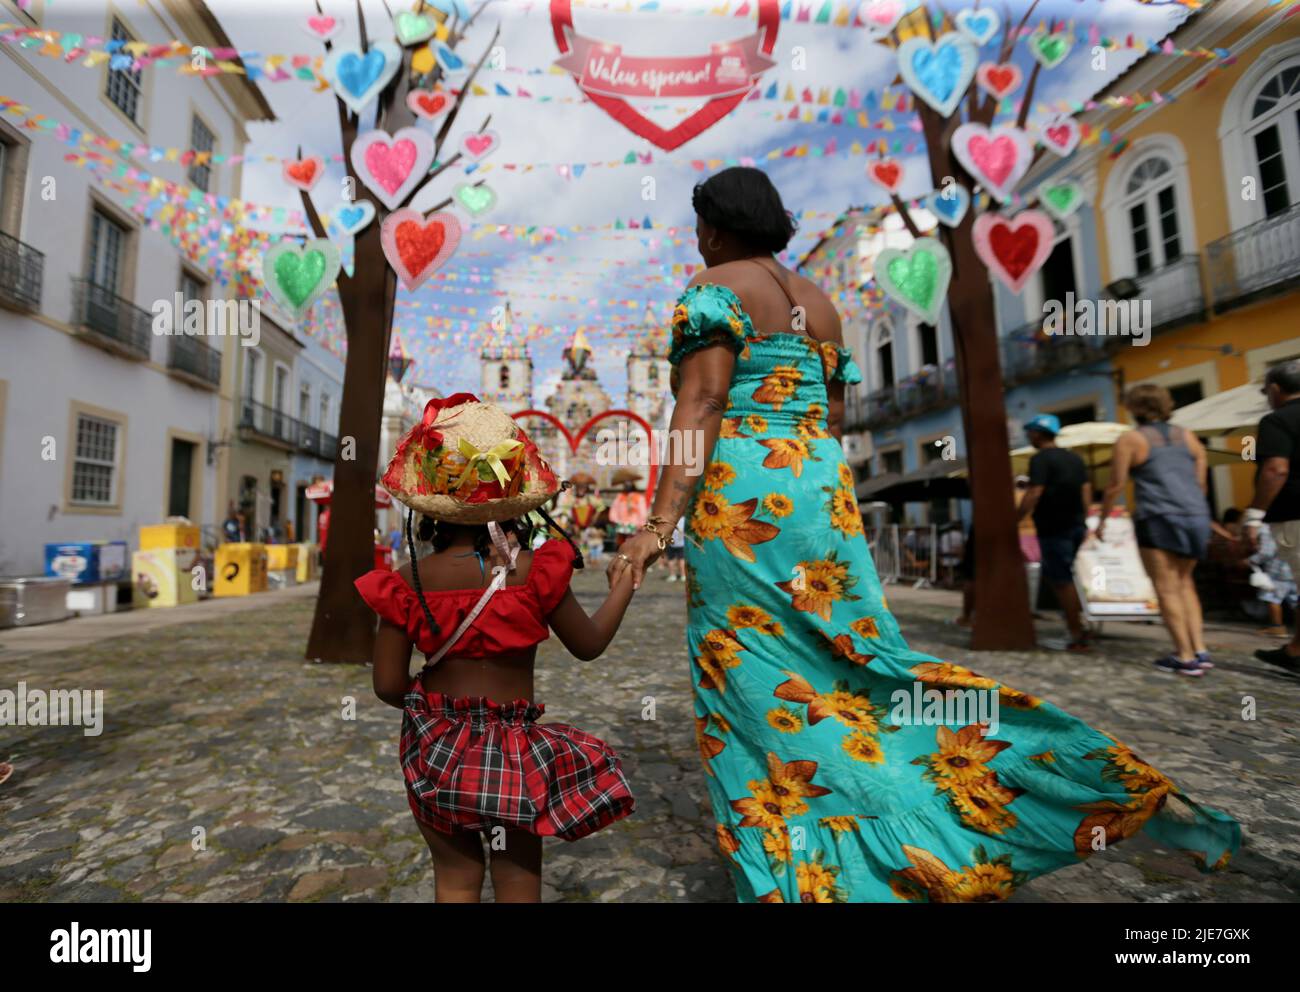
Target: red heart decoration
{"points": [[769, 22], [304, 172], [431, 104], [415, 245], [1015, 248], [887, 172], [1059, 135]]}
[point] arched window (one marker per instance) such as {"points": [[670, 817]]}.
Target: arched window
{"points": [[883, 351], [1150, 206], [1274, 137], [503, 378]]}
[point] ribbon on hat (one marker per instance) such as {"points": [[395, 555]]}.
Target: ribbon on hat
{"points": [[493, 458]]}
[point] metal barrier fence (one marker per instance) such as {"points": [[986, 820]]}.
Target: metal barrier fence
{"points": [[911, 554]]}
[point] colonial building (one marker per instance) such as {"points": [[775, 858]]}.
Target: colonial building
{"points": [[648, 371], [108, 419], [506, 369]]}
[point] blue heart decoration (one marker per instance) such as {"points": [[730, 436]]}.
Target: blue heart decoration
{"points": [[359, 72], [939, 72], [359, 78], [450, 61], [952, 208], [355, 216], [978, 26], [449, 7]]}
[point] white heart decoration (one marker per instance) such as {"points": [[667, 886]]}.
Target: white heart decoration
{"points": [[271, 277], [478, 145], [353, 216], [410, 250], [978, 25], [906, 277], [392, 166], [322, 27], [429, 105], [1013, 248], [359, 78], [996, 157], [881, 15], [288, 166], [938, 72], [1060, 135], [999, 79]]}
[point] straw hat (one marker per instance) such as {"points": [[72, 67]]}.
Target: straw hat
{"points": [[469, 462], [583, 479]]}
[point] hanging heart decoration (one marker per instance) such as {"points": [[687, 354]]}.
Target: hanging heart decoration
{"points": [[916, 277], [938, 72], [304, 173], [996, 157], [1060, 135], [297, 275], [416, 245], [978, 25], [476, 199], [610, 77], [887, 173], [322, 27], [1013, 248], [411, 28], [998, 79], [354, 216], [359, 78], [881, 15], [452, 64], [392, 166], [429, 105], [452, 8], [479, 144], [1061, 199], [949, 204], [1050, 50]]}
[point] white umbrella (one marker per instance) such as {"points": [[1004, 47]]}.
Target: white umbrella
{"points": [[1223, 412]]}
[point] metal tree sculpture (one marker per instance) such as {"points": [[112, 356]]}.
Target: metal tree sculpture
{"points": [[343, 626], [1003, 619]]}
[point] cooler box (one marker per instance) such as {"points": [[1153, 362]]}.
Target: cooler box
{"points": [[241, 569], [93, 600], [87, 562], [308, 566], [28, 601], [281, 565], [163, 577], [169, 536]]}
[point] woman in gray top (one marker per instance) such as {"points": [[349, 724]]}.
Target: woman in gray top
{"points": [[1171, 518]]}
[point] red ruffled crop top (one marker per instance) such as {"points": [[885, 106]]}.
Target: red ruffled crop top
{"points": [[513, 620]]}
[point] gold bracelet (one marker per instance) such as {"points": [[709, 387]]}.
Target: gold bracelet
{"points": [[650, 527]]}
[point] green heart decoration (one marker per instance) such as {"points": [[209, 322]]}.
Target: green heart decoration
{"points": [[917, 277], [1060, 199], [475, 199], [1050, 49], [298, 275], [411, 28]]}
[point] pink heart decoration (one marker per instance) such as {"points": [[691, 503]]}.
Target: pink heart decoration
{"points": [[1061, 135], [303, 173], [1013, 248], [416, 245], [429, 105], [998, 79], [880, 15], [996, 157], [392, 166], [322, 27], [478, 146], [886, 172]]}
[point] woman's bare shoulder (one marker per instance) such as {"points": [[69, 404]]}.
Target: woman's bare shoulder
{"points": [[729, 274]]}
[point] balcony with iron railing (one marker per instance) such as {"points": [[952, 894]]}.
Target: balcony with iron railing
{"points": [[314, 441], [1028, 354], [263, 423], [933, 388], [22, 271], [195, 362], [1174, 292], [1256, 261], [111, 321]]}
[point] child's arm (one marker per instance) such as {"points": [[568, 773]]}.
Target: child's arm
{"points": [[587, 637], [392, 661]]}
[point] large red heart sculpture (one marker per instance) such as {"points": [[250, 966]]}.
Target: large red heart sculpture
{"points": [[751, 50], [576, 439]]}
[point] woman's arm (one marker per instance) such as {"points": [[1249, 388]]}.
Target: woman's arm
{"points": [[392, 662], [1121, 460], [1202, 459], [586, 637]]}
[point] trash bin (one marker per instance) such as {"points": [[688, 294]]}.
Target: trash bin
{"points": [[1033, 575]]}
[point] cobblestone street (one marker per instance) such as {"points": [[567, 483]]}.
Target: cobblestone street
{"points": [[220, 725]]}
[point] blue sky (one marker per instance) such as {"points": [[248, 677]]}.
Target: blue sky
{"points": [[533, 131]]}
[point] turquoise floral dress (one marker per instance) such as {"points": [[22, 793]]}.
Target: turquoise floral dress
{"points": [[842, 765]]}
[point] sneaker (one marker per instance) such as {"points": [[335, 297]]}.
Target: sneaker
{"points": [[1280, 657], [1203, 660], [1171, 664]]}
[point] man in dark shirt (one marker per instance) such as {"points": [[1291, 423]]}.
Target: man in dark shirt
{"points": [[1277, 486], [1058, 496]]}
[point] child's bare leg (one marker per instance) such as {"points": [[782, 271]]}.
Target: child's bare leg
{"points": [[517, 869], [458, 864]]}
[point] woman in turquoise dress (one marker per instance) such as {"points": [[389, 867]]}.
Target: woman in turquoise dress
{"points": [[840, 768]]}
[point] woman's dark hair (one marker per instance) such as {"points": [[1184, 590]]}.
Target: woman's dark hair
{"points": [[743, 202]]}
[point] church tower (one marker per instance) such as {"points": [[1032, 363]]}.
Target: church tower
{"points": [[648, 370], [506, 369]]}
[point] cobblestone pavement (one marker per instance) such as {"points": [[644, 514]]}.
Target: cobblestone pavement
{"points": [[220, 725]]}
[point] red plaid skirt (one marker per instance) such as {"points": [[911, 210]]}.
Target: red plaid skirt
{"points": [[473, 764]]}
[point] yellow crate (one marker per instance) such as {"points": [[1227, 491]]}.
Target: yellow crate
{"points": [[163, 577], [169, 536], [241, 569], [307, 565], [282, 557]]}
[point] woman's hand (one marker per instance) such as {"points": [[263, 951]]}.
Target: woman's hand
{"points": [[638, 552]]}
